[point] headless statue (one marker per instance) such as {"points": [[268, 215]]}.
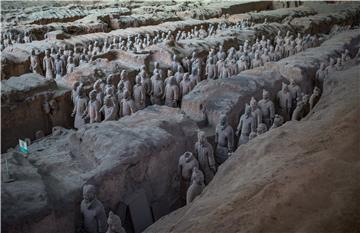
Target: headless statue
{"points": [[197, 185], [93, 212], [224, 140], [205, 155]]}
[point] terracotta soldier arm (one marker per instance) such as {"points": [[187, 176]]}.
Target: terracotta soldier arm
{"points": [[238, 129], [74, 110]]}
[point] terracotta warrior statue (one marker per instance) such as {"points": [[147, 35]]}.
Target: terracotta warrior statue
{"points": [[285, 102], [256, 62], [157, 90], [125, 79], [80, 108], [114, 224], [59, 67], [179, 74], [187, 162], [139, 93], [93, 212], [224, 140], [185, 85], [70, 66], [295, 92], [35, 66], [109, 109], [99, 92], [298, 113], [210, 70], [246, 126], [94, 108], [267, 109], [205, 155], [48, 65], [175, 64], [127, 105], [314, 98], [255, 112], [197, 185], [172, 93], [74, 91], [321, 75]]}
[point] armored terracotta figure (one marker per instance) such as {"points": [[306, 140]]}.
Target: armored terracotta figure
{"points": [[246, 126], [267, 109], [93, 212], [94, 108], [127, 105], [48, 65], [157, 90], [139, 94], [109, 109], [295, 92], [59, 67], [99, 92], [35, 66], [285, 102], [210, 70], [321, 75], [298, 111], [80, 108], [224, 140], [255, 112], [172, 93], [205, 155]]}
